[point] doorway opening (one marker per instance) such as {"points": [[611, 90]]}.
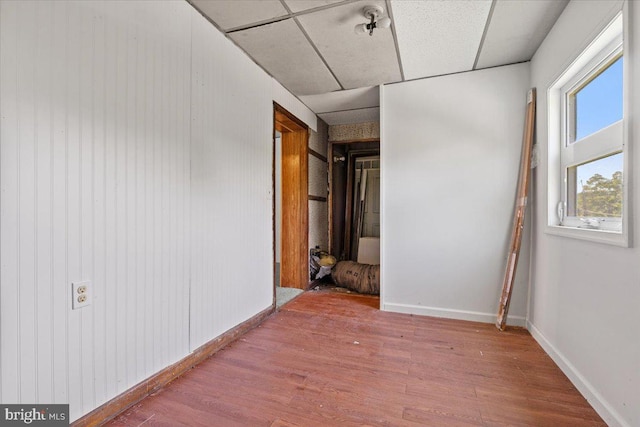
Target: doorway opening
{"points": [[355, 201], [365, 208], [290, 204]]}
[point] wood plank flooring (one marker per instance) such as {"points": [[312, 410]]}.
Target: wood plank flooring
{"points": [[329, 359]]}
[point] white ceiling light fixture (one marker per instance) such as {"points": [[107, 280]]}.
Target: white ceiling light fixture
{"points": [[372, 13]]}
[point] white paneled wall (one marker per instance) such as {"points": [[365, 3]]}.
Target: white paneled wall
{"points": [[231, 186], [95, 186], [135, 149]]}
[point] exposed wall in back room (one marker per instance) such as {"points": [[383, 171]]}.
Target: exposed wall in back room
{"points": [[450, 155], [318, 179], [354, 132]]}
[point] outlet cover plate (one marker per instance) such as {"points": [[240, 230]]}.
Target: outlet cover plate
{"points": [[80, 294]]}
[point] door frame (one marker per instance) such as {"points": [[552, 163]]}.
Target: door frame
{"points": [[331, 201], [294, 230], [352, 156]]}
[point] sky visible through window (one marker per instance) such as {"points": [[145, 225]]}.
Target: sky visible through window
{"points": [[598, 105]]}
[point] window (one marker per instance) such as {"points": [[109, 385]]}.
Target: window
{"points": [[597, 103], [589, 147], [594, 189], [591, 156]]}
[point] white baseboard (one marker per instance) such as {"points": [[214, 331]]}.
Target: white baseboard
{"points": [[448, 313], [601, 406]]}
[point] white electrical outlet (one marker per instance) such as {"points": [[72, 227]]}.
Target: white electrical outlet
{"points": [[80, 294]]}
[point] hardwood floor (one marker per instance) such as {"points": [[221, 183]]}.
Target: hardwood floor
{"points": [[329, 359]]}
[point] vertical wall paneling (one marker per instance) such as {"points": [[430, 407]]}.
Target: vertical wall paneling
{"points": [[110, 290], [119, 142], [60, 302], [27, 193], [86, 180], [98, 203], [156, 206], [146, 280], [136, 153], [127, 227], [136, 203], [43, 211], [231, 195], [9, 296], [94, 151]]}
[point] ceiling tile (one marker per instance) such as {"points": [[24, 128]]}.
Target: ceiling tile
{"points": [[365, 115], [439, 37], [300, 5], [343, 100], [233, 13], [284, 51], [356, 60], [517, 29]]}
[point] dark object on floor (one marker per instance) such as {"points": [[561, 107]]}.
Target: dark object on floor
{"points": [[363, 278]]}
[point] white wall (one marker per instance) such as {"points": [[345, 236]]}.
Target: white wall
{"points": [[585, 296], [231, 188], [450, 154], [135, 150], [95, 186]]}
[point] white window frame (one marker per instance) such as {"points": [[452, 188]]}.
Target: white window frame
{"points": [[564, 152], [602, 143]]}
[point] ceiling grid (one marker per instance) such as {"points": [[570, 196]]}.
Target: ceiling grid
{"points": [[315, 48], [484, 34], [395, 38], [310, 47]]}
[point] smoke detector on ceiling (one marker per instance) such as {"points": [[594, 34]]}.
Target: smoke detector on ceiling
{"points": [[372, 13]]}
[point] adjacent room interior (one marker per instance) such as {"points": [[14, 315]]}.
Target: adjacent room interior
{"points": [[299, 212]]}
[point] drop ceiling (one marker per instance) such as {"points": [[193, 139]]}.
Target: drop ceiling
{"points": [[311, 48]]}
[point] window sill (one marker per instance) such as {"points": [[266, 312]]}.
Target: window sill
{"points": [[614, 238]]}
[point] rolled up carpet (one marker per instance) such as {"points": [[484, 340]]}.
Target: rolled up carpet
{"points": [[362, 278]]}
